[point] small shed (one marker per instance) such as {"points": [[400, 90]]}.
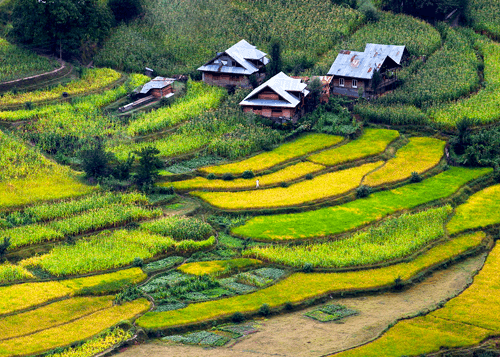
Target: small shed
{"points": [[281, 98], [157, 87]]}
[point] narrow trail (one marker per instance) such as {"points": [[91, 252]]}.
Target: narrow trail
{"points": [[298, 336]]}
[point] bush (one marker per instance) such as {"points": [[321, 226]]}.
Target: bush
{"points": [[237, 317], [284, 184], [248, 174], [3, 247], [211, 176], [415, 177], [307, 268], [138, 262], [288, 306], [309, 176], [228, 177], [363, 191], [265, 310], [95, 160], [130, 293]]}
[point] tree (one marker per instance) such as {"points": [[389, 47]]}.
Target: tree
{"points": [[427, 9], [276, 63], [3, 247], [376, 80], [315, 86], [95, 160], [61, 26], [125, 10], [149, 164]]}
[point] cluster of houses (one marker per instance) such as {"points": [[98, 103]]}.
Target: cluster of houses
{"points": [[282, 98]]}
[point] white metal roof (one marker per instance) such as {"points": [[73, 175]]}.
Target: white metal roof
{"points": [[241, 53], [156, 83], [362, 64], [282, 85]]}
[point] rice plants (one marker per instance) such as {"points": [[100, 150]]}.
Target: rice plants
{"points": [[393, 239], [419, 155], [74, 331], [289, 173], [10, 273], [303, 286], [110, 250], [95, 345], [20, 63], [217, 266], [92, 80], [484, 105], [338, 219], [304, 145], [321, 187], [481, 210], [180, 228], [199, 98], [371, 142]]}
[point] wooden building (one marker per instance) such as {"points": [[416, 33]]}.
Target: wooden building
{"points": [[353, 72], [235, 65], [157, 87], [281, 98]]}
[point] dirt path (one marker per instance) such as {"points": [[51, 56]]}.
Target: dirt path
{"points": [[296, 335]]}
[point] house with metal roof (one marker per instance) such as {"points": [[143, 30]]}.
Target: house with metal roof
{"points": [[157, 87], [281, 98], [353, 72], [235, 65]]}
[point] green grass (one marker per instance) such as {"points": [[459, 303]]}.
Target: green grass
{"points": [[320, 187], [10, 273], [372, 142], [300, 287], [306, 144], [393, 239], [338, 219], [465, 320], [419, 155], [481, 210]]}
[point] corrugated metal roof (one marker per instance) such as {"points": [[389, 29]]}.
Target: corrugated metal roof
{"points": [[241, 53], [282, 85], [362, 64], [157, 83]]}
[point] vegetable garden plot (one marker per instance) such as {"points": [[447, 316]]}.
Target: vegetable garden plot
{"points": [[465, 320], [93, 79], [330, 312], [287, 174], [320, 187], [419, 155], [371, 142], [301, 286], [481, 210], [338, 219], [302, 146], [162, 264], [393, 239]]}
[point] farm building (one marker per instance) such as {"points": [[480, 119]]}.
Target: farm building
{"points": [[281, 98], [157, 87], [353, 72], [235, 65]]}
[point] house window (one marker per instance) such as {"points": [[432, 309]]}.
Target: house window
{"points": [[355, 83], [341, 82]]}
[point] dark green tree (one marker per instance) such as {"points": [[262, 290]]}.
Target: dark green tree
{"points": [[149, 164], [315, 86], [376, 80], [276, 64], [3, 248], [125, 10], [95, 160], [70, 27]]}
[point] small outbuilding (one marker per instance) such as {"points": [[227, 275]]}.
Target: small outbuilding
{"points": [[281, 98], [157, 87], [234, 66], [354, 72]]}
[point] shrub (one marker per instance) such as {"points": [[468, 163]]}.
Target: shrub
{"points": [[288, 306], [227, 177], [363, 191], [265, 310], [307, 268], [248, 174], [138, 262], [3, 247], [211, 176], [237, 317], [415, 177], [128, 294], [284, 184], [309, 176]]}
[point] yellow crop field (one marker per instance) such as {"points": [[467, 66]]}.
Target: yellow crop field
{"points": [[74, 331], [372, 142], [289, 173], [323, 186], [419, 155], [216, 266], [117, 279], [465, 320], [301, 286], [55, 314], [482, 209], [302, 146]]}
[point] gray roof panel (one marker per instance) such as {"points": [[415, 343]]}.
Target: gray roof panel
{"points": [[156, 83]]}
